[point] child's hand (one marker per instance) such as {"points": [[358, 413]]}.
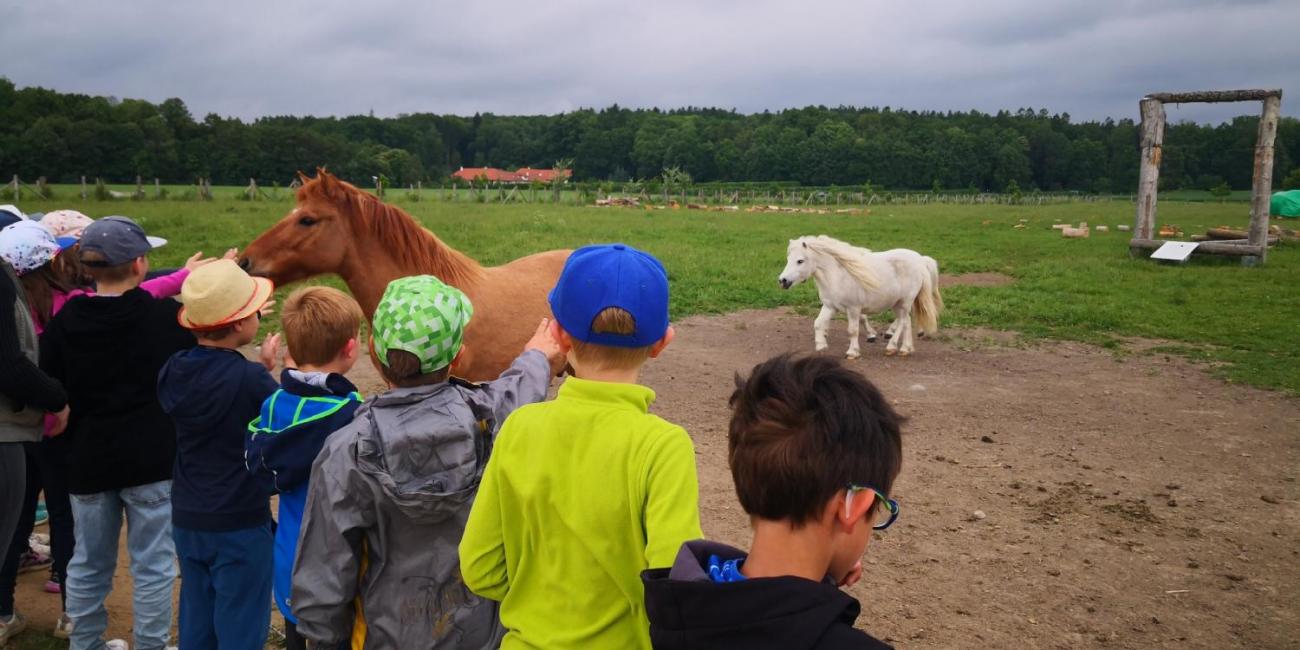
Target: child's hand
{"points": [[547, 345], [60, 422], [196, 260], [853, 576], [269, 351], [231, 253]]}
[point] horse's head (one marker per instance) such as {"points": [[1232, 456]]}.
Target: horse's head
{"points": [[313, 239], [800, 262]]}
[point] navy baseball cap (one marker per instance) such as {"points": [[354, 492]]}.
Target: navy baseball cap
{"points": [[118, 239], [598, 277], [10, 214]]}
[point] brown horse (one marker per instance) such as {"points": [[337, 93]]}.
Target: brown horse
{"points": [[338, 228]]}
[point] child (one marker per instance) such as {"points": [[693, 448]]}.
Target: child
{"points": [[321, 326], [814, 449], [389, 493], [44, 256], [107, 349], [221, 517], [585, 492]]}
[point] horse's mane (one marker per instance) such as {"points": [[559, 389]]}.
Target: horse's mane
{"points": [[852, 258], [410, 244]]}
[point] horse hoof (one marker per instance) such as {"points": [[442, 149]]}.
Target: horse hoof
{"points": [[852, 355], [888, 336], [904, 354], [871, 339], [921, 334], [820, 348], [890, 353]]}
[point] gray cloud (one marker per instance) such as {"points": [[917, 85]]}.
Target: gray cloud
{"points": [[1090, 59]]}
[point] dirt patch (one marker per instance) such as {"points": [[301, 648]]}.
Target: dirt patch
{"points": [[975, 280], [1124, 495]]}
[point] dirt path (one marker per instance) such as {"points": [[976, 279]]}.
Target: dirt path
{"points": [[1129, 502]]}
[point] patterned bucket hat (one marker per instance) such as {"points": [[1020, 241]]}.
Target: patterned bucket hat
{"points": [[66, 223], [423, 316], [27, 246]]}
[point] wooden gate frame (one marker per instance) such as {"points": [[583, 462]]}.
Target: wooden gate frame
{"points": [[1251, 250]]}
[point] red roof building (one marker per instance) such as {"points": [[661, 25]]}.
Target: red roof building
{"points": [[522, 175]]}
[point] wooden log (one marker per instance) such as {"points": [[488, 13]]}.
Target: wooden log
{"points": [[1263, 176], [1213, 96], [1208, 248], [1223, 234], [1153, 135]]}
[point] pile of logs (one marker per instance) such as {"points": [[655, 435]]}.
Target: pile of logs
{"points": [[1226, 234]]}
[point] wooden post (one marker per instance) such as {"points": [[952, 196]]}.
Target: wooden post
{"points": [[1153, 135], [157, 187], [83, 188], [139, 187], [16, 188], [1263, 176]]}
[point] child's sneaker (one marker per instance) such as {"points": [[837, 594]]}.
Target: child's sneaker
{"points": [[52, 586], [117, 644], [33, 561], [11, 627], [36, 547], [63, 627], [39, 538], [42, 515]]}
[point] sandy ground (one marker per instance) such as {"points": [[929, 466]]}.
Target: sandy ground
{"points": [[1126, 501]]}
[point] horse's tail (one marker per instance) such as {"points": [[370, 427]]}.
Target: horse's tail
{"points": [[933, 267], [928, 302]]}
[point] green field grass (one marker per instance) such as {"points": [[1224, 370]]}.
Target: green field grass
{"points": [[1245, 321]]}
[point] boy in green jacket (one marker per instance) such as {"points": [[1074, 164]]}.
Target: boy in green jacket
{"points": [[584, 492]]}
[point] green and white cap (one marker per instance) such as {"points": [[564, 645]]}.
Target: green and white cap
{"points": [[423, 316]]}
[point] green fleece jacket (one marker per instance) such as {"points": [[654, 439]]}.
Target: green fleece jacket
{"points": [[581, 494]]}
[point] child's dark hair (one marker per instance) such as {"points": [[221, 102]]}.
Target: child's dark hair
{"points": [[803, 428]]}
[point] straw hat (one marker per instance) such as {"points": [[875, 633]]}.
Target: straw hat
{"points": [[220, 293]]}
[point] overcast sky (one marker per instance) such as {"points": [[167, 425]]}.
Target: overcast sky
{"points": [[1092, 59]]}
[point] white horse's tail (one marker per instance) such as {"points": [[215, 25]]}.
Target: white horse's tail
{"points": [[928, 302], [933, 267]]}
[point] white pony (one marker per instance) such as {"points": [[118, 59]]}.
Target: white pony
{"points": [[852, 279]]}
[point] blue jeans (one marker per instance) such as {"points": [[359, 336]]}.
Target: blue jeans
{"points": [[225, 587], [148, 511]]}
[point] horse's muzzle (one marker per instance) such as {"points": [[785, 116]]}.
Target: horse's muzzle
{"points": [[785, 284]]}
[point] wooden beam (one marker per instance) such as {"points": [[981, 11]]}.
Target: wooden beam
{"points": [[1208, 247], [1263, 176], [1214, 96], [1153, 135]]}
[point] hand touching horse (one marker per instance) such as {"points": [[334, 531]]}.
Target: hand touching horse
{"points": [[337, 228]]}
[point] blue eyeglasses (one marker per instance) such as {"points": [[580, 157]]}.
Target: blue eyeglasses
{"points": [[891, 506]]}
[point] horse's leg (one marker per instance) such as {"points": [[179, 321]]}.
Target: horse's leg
{"points": [[819, 327], [892, 331], [906, 333], [855, 317], [871, 333], [901, 325]]}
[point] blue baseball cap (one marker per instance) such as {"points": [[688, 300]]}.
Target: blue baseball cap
{"points": [[601, 276], [118, 240]]}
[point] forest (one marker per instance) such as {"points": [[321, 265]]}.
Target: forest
{"points": [[64, 136]]}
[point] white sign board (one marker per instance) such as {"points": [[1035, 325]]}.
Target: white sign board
{"points": [[1175, 251]]}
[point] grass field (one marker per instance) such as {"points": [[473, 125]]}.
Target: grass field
{"points": [[1243, 320]]}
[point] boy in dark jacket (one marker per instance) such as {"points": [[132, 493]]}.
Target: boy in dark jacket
{"points": [[221, 517], [107, 350], [814, 449], [321, 326]]}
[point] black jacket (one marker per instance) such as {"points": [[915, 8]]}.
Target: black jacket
{"points": [[212, 394], [688, 610], [107, 351]]}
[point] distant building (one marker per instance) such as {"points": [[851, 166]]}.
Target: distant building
{"points": [[523, 175]]}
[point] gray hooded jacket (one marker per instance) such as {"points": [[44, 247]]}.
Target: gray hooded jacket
{"points": [[389, 497]]}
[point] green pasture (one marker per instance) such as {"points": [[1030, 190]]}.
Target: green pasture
{"points": [[1243, 321]]}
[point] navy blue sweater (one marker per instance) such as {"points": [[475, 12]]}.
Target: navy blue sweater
{"points": [[212, 394]]}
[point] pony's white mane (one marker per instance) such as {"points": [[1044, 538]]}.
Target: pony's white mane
{"points": [[851, 258]]}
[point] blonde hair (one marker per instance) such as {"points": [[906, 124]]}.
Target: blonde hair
{"points": [[612, 320], [318, 322]]}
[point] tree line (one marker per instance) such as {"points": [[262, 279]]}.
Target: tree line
{"points": [[63, 136]]}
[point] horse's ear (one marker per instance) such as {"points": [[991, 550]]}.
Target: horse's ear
{"points": [[302, 178]]}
